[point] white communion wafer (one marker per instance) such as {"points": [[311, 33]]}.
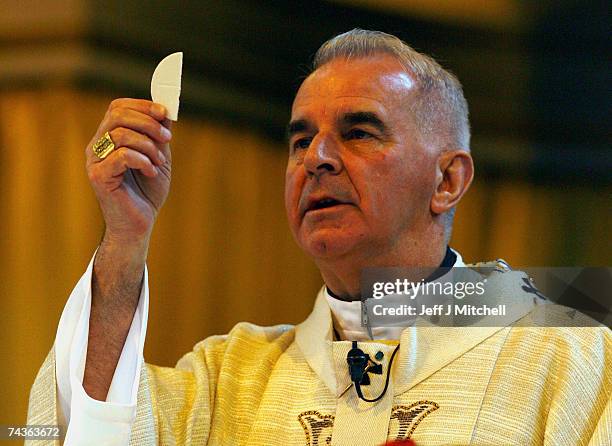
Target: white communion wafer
{"points": [[166, 84]]}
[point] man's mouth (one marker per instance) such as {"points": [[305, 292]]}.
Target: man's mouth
{"points": [[315, 204], [324, 203]]}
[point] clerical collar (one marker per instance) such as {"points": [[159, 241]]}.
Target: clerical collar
{"points": [[346, 315]]}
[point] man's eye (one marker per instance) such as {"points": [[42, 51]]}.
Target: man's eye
{"points": [[301, 143], [358, 134]]}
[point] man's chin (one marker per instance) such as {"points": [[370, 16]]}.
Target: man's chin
{"points": [[328, 244]]}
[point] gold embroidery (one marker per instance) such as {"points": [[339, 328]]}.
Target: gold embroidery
{"points": [[314, 425], [408, 418], [404, 420]]}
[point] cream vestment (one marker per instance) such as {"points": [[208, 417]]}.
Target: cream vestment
{"points": [[282, 385]]}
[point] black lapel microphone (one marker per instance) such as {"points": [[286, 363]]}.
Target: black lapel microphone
{"points": [[360, 364]]}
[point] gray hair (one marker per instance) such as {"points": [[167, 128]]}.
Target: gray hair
{"points": [[441, 111]]}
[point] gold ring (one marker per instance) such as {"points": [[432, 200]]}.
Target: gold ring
{"points": [[104, 146]]}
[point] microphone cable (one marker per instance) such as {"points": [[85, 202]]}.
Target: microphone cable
{"points": [[358, 363]]}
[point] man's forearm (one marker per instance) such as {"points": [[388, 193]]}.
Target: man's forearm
{"points": [[116, 284]]}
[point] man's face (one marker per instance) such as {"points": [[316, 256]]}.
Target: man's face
{"points": [[358, 182]]}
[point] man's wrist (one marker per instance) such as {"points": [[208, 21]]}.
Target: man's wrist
{"points": [[119, 265], [125, 250]]}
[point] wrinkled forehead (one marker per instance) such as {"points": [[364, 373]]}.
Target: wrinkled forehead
{"points": [[381, 79]]}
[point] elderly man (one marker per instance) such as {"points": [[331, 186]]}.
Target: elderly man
{"points": [[378, 160]]}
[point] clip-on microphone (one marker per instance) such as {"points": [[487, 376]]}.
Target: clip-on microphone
{"points": [[360, 364]]}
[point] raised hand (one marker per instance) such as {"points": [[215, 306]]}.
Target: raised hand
{"points": [[133, 181]]}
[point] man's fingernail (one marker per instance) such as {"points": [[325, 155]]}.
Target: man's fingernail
{"points": [[162, 157], [166, 133]]}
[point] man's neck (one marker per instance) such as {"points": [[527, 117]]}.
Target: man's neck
{"points": [[347, 314], [343, 278]]}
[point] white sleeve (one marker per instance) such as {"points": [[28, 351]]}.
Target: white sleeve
{"points": [[90, 421]]}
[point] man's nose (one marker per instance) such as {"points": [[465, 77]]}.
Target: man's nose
{"points": [[323, 156]]}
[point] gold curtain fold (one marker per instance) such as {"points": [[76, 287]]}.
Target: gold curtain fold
{"points": [[221, 251]]}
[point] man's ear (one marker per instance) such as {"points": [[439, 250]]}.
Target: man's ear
{"points": [[454, 174]]}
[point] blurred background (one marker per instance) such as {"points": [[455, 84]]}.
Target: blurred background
{"points": [[536, 76]]}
